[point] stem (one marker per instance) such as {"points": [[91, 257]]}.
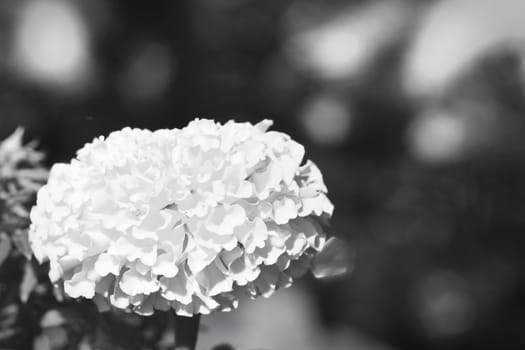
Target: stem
{"points": [[186, 332]]}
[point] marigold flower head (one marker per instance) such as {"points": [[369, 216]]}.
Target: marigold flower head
{"points": [[186, 219]]}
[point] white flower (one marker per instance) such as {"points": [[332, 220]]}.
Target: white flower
{"points": [[183, 219]]}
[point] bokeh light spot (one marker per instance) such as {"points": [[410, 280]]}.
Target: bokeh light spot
{"points": [[148, 73], [51, 43], [326, 120], [456, 34], [444, 304], [437, 137], [344, 46]]}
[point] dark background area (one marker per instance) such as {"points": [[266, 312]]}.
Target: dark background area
{"points": [[414, 111]]}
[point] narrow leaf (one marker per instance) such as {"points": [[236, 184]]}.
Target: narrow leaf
{"points": [[29, 282], [21, 242], [5, 247]]}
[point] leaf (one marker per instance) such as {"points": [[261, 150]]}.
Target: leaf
{"points": [[29, 282], [58, 337], [85, 344], [8, 316], [7, 333], [41, 343], [19, 210], [33, 173], [14, 141], [21, 241], [52, 318], [58, 292], [5, 247], [334, 259]]}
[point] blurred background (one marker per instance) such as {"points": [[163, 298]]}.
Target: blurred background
{"points": [[414, 110]]}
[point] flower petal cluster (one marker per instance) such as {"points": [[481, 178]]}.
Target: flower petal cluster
{"points": [[186, 219]]}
